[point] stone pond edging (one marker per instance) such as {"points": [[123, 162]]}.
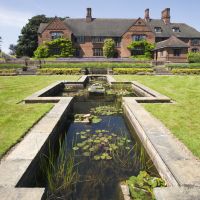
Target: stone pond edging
{"points": [[178, 167]]}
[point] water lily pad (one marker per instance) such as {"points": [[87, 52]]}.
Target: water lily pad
{"points": [[75, 148], [86, 154]]}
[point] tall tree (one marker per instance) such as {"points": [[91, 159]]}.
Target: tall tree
{"points": [[12, 48], [28, 40]]}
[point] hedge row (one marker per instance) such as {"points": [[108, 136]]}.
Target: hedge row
{"points": [[186, 71], [132, 70], [10, 66], [96, 65], [59, 71], [182, 66], [7, 72]]}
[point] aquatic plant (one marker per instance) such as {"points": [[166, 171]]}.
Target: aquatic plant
{"points": [[100, 144], [87, 118], [141, 187], [61, 173], [106, 110]]}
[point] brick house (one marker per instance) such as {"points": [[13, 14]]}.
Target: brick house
{"points": [[173, 40]]}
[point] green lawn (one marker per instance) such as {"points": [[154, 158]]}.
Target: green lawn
{"points": [[182, 118], [16, 118]]}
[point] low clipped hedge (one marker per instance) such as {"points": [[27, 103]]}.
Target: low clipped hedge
{"points": [[96, 65], [11, 66], [184, 66], [59, 71], [132, 71], [8, 72], [186, 71]]}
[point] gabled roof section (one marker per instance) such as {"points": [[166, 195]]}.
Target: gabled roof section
{"points": [[185, 30], [172, 42], [42, 27], [99, 27], [55, 24]]}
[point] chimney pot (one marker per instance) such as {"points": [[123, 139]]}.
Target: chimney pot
{"points": [[166, 15], [146, 15], [89, 15]]}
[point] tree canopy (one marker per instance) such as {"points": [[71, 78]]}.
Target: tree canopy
{"points": [[28, 40]]}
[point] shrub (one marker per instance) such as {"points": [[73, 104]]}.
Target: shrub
{"points": [[56, 48], [109, 48], [182, 66], [7, 72], [194, 57], [42, 51], [131, 70], [142, 44], [10, 66], [186, 71], [96, 65], [59, 71]]}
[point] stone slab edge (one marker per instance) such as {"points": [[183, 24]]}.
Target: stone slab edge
{"points": [[15, 165], [183, 175], [37, 96]]}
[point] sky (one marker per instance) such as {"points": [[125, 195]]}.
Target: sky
{"points": [[14, 14]]}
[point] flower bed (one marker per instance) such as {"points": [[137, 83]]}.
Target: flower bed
{"points": [[132, 71], [59, 71]]}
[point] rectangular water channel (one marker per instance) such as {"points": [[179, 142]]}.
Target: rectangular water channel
{"points": [[96, 151]]}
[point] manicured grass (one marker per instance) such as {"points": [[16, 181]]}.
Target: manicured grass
{"points": [[16, 118], [182, 118]]}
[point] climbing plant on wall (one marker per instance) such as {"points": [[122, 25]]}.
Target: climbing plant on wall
{"points": [[141, 47]]}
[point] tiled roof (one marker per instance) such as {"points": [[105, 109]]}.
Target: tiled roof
{"points": [[117, 27], [172, 42], [186, 31]]}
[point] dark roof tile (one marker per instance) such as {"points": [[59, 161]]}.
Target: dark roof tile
{"points": [[172, 42]]}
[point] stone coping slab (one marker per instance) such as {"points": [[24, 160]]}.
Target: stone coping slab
{"points": [[177, 193], [14, 166], [176, 165], [21, 193], [38, 97]]}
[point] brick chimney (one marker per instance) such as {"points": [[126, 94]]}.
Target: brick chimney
{"points": [[89, 15], [146, 15], [166, 15]]}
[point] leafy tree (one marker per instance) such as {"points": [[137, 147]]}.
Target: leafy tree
{"points": [[145, 46], [28, 40], [12, 48], [60, 47], [109, 48]]}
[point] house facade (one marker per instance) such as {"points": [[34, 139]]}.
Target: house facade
{"points": [[172, 40]]}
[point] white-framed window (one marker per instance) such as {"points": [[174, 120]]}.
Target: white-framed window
{"points": [[195, 42], [98, 39], [98, 52], [158, 29], [176, 29], [80, 39], [138, 37], [117, 41], [177, 52], [56, 35], [195, 50]]}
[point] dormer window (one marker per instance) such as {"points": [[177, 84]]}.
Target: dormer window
{"points": [[56, 35], [158, 29], [176, 29]]}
